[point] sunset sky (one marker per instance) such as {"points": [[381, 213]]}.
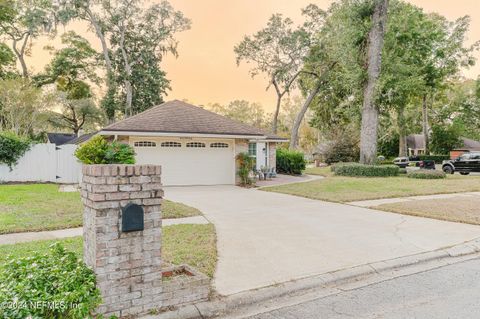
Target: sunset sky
{"points": [[206, 72]]}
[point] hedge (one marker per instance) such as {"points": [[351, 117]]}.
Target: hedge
{"points": [[426, 174], [437, 158], [362, 170], [290, 162]]}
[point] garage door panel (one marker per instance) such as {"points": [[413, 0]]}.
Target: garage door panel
{"points": [[191, 165]]}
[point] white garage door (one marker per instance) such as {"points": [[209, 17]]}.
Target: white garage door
{"points": [[191, 162]]}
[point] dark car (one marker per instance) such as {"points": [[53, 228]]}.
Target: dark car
{"points": [[464, 164]]}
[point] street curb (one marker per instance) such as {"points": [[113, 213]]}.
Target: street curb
{"points": [[385, 269]]}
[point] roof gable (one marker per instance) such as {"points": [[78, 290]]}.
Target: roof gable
{"points": [[180, 117], [60, 138]]}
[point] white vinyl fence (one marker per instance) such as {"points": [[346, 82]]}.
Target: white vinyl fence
{"points": [[45, 163]]}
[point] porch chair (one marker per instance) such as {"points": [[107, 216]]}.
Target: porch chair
{"points": [[271, 172]]}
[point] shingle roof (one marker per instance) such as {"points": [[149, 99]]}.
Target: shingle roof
{"points": [[81, 138], [471, 144], [180, 117], [60, 138], [276, 138], [417, 141]]}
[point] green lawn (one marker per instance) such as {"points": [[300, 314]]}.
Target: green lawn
{"points": [[178, 210], [36, 207], [194, 245], [322, 171], [454, 209], [346, 189]]}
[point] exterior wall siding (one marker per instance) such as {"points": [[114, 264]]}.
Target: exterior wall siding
{"points": [[272, 154]]}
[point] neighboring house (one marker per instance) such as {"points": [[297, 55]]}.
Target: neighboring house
{"points": [[60, 138], [469, 145], [318, 154], [416, 146], [81, 139], [193, 145]]}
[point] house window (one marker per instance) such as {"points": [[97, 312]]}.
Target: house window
{"points": [[144, 144], [252, 149], [219, 145], [195, 144], [170, 144]]}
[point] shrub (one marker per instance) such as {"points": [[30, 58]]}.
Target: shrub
{"points": [[361, 170], [98, 151], [437, 158], [343, 148], [245, 166], [385, 162], [120, 153], [58, 281], [290, 162], [426, 174], [12, 148]]}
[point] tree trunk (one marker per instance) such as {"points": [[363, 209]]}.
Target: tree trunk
{"points": [[368, 135], [128, 71], [103, 42], [425, 124], [300, 116], [106, 55], [402, 136], [128, 98], [23, 64], [275, 114], [21, 53]]}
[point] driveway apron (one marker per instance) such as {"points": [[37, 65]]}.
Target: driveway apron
{"points": [[266, 238]]}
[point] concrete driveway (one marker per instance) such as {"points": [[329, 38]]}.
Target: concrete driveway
{"points": [[266, 238]]}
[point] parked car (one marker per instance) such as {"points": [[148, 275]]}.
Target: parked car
{"points": [[464, 164], [401, 162], [426, 164]]}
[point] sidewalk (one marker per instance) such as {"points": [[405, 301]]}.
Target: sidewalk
{"points": [[282, 179], [15, 238], [378, 202]]}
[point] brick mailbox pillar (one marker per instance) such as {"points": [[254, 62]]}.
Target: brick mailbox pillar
{"points": [[126, 260]]}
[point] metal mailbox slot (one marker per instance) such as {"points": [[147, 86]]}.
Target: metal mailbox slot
{"points": [[132, 218]]}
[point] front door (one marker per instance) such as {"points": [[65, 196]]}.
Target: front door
{"points": [[261, 155]]}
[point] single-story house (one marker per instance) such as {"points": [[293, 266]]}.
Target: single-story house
{"points": [[194, 146], [416, 146], [469, 145]]}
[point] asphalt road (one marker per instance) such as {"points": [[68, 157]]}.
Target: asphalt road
{"points": [[448, 292]]}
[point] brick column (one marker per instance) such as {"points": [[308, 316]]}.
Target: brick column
{"points": [[127, 264]]}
